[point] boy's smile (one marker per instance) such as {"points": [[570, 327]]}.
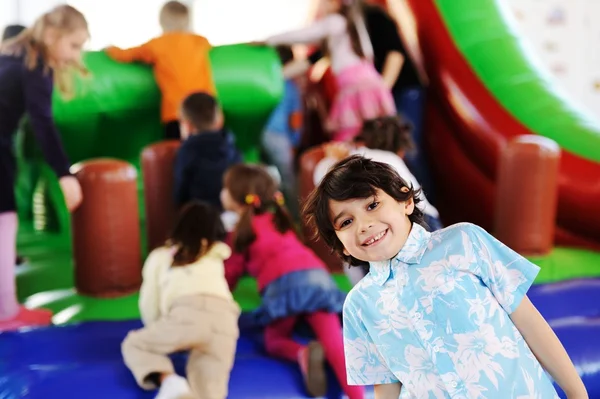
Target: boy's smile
{"points": [[372, 229]]}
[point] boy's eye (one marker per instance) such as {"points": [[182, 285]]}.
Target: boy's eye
{"points": [[345, 223], [373, 205]]}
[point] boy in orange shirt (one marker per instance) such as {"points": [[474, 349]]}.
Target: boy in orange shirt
{"points": [[179, 59]]}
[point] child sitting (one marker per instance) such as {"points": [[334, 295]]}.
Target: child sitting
{"points": [[442, 314], [185, 304], [180, 61], [292, 280], [207, 151], [282, 133]]}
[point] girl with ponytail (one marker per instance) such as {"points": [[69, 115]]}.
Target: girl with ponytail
{"points": [[293, 282]]}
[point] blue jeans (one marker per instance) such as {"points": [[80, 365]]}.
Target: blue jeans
{"points": [[278, 150], [410, 103]]}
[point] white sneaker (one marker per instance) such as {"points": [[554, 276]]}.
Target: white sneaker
{"points": [[174, 387]]}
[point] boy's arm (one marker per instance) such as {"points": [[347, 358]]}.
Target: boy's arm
{"points": [[143, 53], [387, 391], [547, 349]]}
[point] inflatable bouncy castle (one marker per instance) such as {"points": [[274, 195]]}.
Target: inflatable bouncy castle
{"points": [[483, 91]]}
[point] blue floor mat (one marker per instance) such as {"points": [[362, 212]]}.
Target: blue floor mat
{"points": [[84, 361]]}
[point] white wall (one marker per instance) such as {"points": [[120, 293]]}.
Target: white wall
{"points": [[564, 35], [130, 22]]}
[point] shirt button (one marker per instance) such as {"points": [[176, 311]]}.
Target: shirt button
{"points": [[436, 350], [453, 384], [418, 315]]}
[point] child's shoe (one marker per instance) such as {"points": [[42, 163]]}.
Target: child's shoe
{"points": [[174, 387], [312, 365]]}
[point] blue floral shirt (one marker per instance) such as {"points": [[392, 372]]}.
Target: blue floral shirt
{"points": [[436, 319]]}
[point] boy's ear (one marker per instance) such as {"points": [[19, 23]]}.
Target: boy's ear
{"points": [[345, 252], [409, 204]]}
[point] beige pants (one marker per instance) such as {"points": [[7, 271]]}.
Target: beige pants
{"points": [[205, 325]]}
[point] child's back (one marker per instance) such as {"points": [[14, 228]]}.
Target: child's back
{"points": [[206, 276], [179, 58], [186, 304], [181, 66]]}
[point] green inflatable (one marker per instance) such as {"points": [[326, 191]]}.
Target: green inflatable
{"points": [[116, 114]]}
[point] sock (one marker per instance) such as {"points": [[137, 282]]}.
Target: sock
{"points": [[173, 387]]}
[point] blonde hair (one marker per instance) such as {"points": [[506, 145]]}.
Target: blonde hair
{"points": [[64, 18], [174, 16]]}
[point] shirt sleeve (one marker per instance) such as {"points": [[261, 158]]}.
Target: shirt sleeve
{"points": [[38, 87], [364, 363], [321, 169], [143, 53], [507, 274], [149, 296], [382, 27], [319, 30]]}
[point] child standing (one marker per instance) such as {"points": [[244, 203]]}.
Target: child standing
{"points": [[180, 61], [292, 280], [207, 151], [30, 64], [441, 314], [282, 133], [185, 304], [362, 93]]}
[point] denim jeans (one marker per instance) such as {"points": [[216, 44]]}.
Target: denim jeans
{"points": [[410, 103], [278, 150]]}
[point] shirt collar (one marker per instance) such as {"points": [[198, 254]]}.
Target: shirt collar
{"points": [[411, 253]]}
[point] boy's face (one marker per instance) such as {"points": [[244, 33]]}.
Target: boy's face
{"points": [[372, 229]]}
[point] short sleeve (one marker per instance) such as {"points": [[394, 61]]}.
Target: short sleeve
{"points": [[506, 273], [364, 363]]}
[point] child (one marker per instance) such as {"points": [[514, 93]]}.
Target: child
{"points": [[292, 280], [282, 133], [206, 152], [180, 61], [442, 314], [388, 140], [362, 93], [185, 304], [30, 64]]}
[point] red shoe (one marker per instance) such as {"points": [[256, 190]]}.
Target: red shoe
{"points": [[312, 365], [27, 318]]}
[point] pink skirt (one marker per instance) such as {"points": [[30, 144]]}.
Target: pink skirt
{"points": [[362, 95]]}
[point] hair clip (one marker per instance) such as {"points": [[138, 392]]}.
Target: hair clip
{"points": [[279, 198], [253, 199]]}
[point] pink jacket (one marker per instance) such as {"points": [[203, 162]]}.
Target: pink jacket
{"points": [[270, 256]]}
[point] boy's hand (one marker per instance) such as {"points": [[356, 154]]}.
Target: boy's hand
{"points": [[337, 151]]}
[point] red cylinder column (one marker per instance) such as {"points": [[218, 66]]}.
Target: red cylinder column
{"points": [[527, 192], [158, 161], [106, 230]]}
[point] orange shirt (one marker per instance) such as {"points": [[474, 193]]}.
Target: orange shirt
{"points": [[181, 67]]}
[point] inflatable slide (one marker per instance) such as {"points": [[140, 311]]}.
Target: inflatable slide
{"points": [[486, 88]]}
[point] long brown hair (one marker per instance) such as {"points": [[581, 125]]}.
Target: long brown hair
{"points": [[197, 228], [351, 10], [30, 41], [253, 187]]}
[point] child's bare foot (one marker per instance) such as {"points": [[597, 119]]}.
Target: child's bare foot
{"points": [[312, 365]]}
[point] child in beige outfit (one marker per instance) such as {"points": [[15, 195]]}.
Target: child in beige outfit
{"points": [[185, 304]]}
